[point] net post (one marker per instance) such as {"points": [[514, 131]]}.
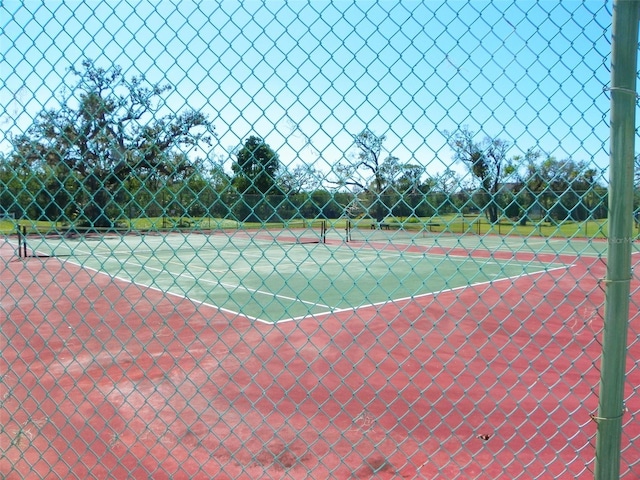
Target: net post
{"points": [[19, 235], [24, 240]]}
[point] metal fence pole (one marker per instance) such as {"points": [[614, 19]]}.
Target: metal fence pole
{"points": [[623, 105]]}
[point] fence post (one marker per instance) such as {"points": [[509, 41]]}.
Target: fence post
{"points": [[624, 50]]}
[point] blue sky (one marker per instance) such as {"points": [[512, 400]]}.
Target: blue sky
{"points": [[308, 76]]}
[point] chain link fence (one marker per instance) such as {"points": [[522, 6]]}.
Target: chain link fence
{"points": [[305, 240]]}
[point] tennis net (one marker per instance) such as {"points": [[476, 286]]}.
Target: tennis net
{"points": [[51, 241], [304, 231]]}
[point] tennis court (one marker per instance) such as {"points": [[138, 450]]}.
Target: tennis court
{"points": [[272, 277], [191, 375]]}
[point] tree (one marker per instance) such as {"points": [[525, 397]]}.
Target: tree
{"points": [[255, 167], [389, 186], [255, 171], [442, 188], [105, 130], [487, 161], [403, 189], [303, 178], [373, 182], [368, 157], [564, 188]]}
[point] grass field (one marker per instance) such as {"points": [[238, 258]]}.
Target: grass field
{"points": [[454, 223], [479, 224]]}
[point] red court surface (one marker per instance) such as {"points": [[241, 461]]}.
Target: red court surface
{"points": [[105, 379]]}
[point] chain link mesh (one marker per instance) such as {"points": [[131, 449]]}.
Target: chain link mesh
{"points": [[304, 240]]}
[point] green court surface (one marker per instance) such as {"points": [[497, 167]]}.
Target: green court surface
{"points": [[273, 281], [577, 246]]}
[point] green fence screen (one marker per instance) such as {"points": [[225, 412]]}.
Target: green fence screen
{"points": [[308, 239]]}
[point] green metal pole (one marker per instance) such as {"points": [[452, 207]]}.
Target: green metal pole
{"points": [[624, 49]]}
